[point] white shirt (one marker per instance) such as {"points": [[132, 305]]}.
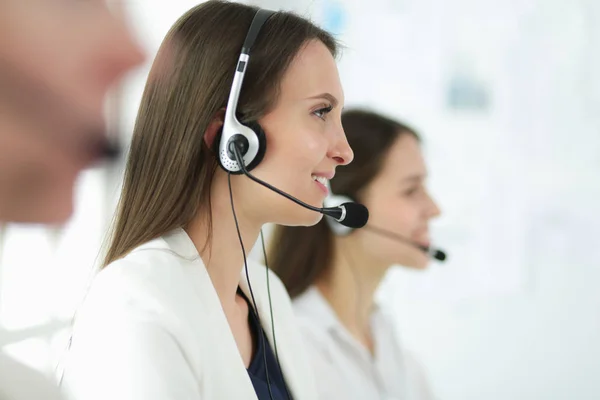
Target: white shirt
{"points": [[344, 368], [152, 328], [19, 382]]}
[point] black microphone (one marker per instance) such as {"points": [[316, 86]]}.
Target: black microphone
{"points": [[98, 147], [352, 215], [431, 252]]}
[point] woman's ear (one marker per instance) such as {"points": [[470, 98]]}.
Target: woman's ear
{"points": [[214, 128]]}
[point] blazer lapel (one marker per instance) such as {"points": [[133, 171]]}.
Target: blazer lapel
{"points": [[220, 352]]}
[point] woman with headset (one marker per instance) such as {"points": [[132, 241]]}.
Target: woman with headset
{"points": [[177, 312], [332, 272]]}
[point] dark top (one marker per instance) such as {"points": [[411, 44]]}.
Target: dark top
{"points": [[263, 359]]}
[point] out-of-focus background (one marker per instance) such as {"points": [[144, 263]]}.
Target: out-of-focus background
{"points": [[506, 94]]}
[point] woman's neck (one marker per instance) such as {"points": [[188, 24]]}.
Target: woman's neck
{"points": [[219, 247], [349, 287]]}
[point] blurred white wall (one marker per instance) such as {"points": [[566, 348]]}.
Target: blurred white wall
{"points": [[507, 97]]}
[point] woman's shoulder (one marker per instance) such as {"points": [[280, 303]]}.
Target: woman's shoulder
{"points": [[310, 305], [151, 278], [315, 318], [141, 268]]}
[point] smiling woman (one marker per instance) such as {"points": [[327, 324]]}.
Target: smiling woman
{"points": [[169, 315], [333, 278]]}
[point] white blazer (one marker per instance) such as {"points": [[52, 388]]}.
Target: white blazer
{"points": [[152, 328]]}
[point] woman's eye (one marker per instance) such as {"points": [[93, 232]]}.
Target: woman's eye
{"points": [[410, 192], [322, 112]]}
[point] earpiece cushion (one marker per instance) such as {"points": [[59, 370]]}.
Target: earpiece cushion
{"points": [[262, 143]]}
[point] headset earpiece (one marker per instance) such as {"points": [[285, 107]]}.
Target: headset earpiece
{"points": [[251, 137], [262, 144], [252, 141]]}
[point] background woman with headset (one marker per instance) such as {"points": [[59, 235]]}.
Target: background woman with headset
{"points": [[333, 272], [174, 313]]}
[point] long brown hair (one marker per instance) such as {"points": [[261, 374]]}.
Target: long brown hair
{"points": [[170, 168], [301, 255]]}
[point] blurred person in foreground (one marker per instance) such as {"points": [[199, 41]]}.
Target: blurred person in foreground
{"points": [[58, 58]]}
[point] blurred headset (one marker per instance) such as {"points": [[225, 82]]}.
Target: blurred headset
{"points": [[333, 200]]}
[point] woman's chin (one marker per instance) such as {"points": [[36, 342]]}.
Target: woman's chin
{"points": [[418, 260], [421, 262], [301, 217]]}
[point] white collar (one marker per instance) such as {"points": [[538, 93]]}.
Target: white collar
{"points": [[179, 242], [314, 302]]}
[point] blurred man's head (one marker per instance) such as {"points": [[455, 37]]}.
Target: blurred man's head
{"points": [[58, 59]]}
